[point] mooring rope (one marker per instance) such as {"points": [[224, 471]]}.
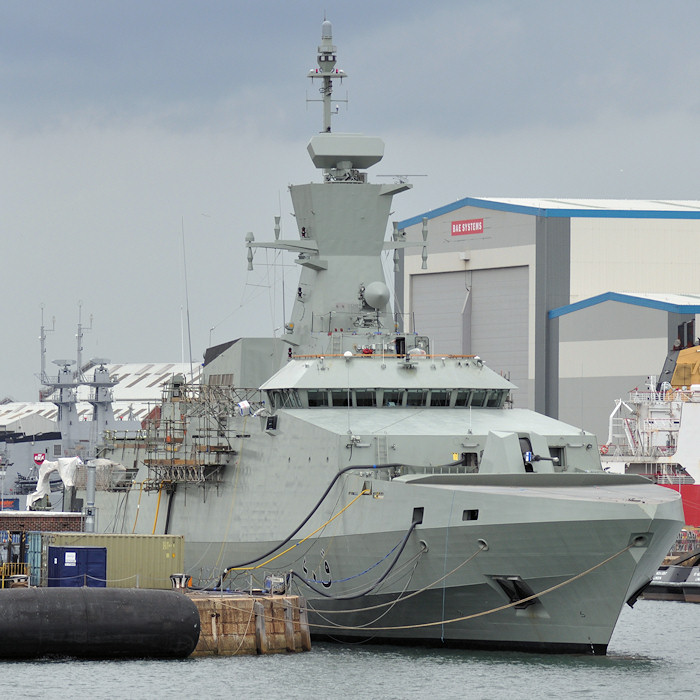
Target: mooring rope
{"points": [[463, 617], [410, 595], [484, 612]]}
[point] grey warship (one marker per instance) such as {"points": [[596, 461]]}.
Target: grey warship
{"points": [[397, 491]]}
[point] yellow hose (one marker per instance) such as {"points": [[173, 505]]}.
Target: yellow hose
{"points": [[155, 521], [340, 512]]}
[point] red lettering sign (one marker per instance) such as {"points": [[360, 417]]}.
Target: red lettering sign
{"points": [[39, 458], [462, 228]]}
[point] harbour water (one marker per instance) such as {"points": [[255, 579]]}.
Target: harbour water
{"points": [[654, 653]]}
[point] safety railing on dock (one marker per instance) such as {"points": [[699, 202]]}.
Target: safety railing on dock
{"points": [[9, 572]]}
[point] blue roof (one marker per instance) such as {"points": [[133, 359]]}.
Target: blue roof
{"points": [[572, 208], [673, 303]]}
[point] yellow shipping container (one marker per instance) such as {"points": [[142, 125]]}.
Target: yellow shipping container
{"points": [[133, 561]]}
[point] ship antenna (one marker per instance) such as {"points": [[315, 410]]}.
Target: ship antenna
{"points": [[79, 337], [42, 340], [327, 71], [277, 236], [187, 296]]}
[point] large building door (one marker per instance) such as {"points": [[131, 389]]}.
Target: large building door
{"points": [[499, 324], [484, 312], [438, 302]]}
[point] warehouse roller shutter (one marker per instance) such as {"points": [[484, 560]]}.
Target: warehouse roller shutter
{"points": [[499, 323], [438, 302], [484, 312]]}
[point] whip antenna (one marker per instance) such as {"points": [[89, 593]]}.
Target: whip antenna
{"points": [[187, 297]]}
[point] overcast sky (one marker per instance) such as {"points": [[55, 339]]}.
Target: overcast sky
{"points": [[125, 123]]}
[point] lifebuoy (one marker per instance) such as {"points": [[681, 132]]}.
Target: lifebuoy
{"points": [[603, 449]]}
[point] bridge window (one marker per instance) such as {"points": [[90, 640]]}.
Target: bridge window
{"points": [[416, 397], [478, 398], [463, 397], [290, 398], [275, 399], [365, 397], [439, 397], [317, 398], [340, 397], [392, 397], [494, 400], [284, 398]]}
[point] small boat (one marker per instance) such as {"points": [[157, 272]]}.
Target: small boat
{"points": [[26, 484], [679, 580]]}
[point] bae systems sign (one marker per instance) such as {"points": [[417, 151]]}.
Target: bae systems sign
{"points": [[461, 228]]}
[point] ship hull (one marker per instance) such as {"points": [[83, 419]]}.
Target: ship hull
{"points": [[690, 494], [581, 550], [471, 610]]}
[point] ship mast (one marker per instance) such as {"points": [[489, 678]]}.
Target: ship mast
{"points": [[342, 298], [43, 377], [327, 71]]}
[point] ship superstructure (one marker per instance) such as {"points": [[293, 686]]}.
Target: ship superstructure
{"points": [[397, 490], [655, 430]]}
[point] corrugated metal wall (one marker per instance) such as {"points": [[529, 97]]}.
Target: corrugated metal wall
{"points": [[484, 312], [438, 304], [499, 324]]}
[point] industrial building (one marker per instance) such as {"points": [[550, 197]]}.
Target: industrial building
{"points": [[576, 301], [72, 417]]}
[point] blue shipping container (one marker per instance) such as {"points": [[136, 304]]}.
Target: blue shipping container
{"points": [[77, 566], [34, 557]]}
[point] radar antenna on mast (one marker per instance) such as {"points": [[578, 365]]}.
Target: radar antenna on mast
{"points": [[326, 71]]}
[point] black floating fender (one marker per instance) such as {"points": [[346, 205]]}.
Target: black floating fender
{"points": [[102, 623]]}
